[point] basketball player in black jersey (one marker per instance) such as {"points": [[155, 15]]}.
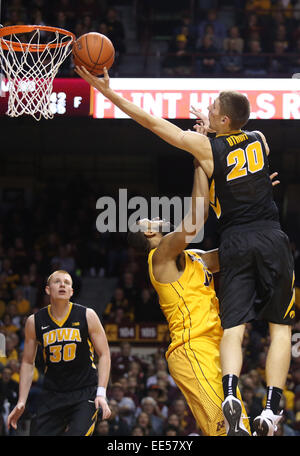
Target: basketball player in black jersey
{"points": [[73, 390], [256, 264]]}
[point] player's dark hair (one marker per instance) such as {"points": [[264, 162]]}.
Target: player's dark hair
{"points": [[236, 106], [138, 242]]}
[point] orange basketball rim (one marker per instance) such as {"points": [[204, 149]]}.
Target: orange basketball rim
{"points": [[32, 47]]}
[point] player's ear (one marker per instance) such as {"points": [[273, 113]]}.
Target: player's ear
{"points": [[72, 292], [47, 290]]}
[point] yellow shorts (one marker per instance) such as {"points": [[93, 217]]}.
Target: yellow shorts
{"points": [[196, 370]]}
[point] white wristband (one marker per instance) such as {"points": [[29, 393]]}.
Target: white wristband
{"points": [[101, 391]]}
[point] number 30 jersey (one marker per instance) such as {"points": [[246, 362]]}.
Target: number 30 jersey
{"points": [[240, 188], [67, 350]]}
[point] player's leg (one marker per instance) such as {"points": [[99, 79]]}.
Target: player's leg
{"points": [[49, 423], [196, 370], [277, 282], [237, 297], [231, 350], [82, 419]]}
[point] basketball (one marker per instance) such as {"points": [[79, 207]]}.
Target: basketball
{"points": [[93, 51]]}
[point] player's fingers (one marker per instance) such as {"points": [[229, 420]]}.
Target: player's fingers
{"points": [[105, 72]]}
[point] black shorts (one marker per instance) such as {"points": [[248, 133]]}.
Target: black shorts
{"points": [[256, 275], [66, 414]]}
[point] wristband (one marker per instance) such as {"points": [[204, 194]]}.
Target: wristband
{"points": [[101, 391]]}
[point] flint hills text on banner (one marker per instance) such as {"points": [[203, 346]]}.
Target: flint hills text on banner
{"points": [[172, 98]]}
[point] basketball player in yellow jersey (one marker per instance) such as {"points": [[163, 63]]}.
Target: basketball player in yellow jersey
{"points": [[183, 280]]}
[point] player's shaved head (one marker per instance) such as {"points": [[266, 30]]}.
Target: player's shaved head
{"points": [[60, 271]]}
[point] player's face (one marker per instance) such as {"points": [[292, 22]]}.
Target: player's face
{"points": [[60, 286], [214, 115]]}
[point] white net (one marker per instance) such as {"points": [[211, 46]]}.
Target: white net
{"points": [[30, 68]]}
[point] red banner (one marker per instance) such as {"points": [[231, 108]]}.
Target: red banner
{"points": [[171, 98]]}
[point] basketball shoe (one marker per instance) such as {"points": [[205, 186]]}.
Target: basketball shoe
{"points": [[232, 411], [266, 423]]}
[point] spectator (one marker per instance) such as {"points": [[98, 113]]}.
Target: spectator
{"points": [[130, 289], [171, 431], [255, 64], [22, 304], [7, 326], [126, 405], [11, 351], [138, 431], [147, 307], [29, 291], [121, 361], [232, 62], [280, 63], [252, 29], [143, 421], [207, 62], [116, 30], [118, 300], [149, 406], [65, 260], [186, 419], [102, 428], [178, 62], [117, 425], [218, 26], [174, 422], [160, 397], [233, 36], [162, 372], [187, 28]]}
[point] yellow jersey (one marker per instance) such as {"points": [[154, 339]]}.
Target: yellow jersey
{"points": [[189, 304]]}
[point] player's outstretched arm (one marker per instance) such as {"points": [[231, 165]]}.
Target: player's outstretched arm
{"points": [[100, 344], [26, 372], [196, 144], [175, 242]]}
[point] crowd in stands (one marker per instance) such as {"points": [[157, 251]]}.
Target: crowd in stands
{"points": [[37, 238], [254, 38]]}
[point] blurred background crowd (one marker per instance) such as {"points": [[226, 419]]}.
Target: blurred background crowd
{"points": [[36, 239], [232, 38], [56, 229]]}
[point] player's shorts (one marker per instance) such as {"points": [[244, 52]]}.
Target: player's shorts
{"points": [[196, 369], [66, 414], [256, 275]]}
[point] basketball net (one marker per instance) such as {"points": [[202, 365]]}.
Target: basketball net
{"points": [[31, 67]]}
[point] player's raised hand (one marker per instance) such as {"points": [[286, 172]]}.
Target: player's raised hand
{"points": [[15, 414], [274, 182], [100, 84], [202, 121]]}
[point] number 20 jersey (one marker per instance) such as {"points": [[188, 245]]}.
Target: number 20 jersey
{"points": [[240, 188], [67, 350]]}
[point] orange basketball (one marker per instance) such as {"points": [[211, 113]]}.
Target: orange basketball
{"points": [[93, 51]]}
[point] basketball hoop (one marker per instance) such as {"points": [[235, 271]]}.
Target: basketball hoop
{"points": [[31, 66]]}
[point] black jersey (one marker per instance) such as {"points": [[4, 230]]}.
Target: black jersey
{"points": [[68, 352], [241, 191]]}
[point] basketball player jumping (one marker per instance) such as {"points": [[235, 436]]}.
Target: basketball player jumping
{"points": [[184, 283], [256, 264], [68, 334]]}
